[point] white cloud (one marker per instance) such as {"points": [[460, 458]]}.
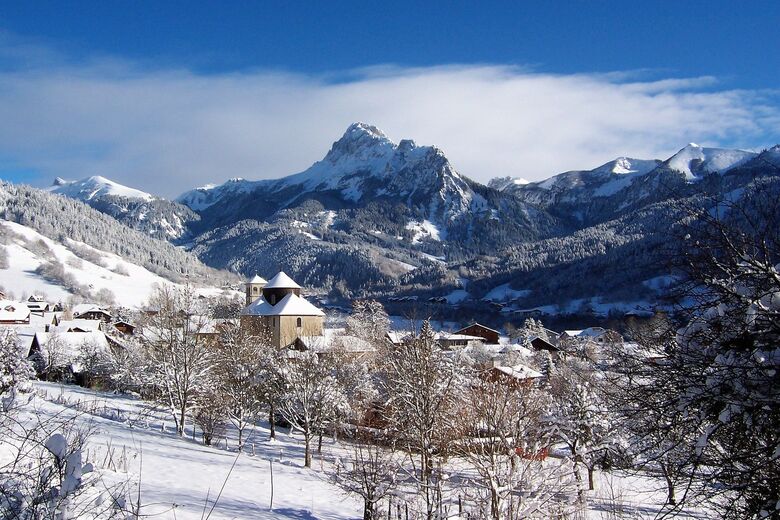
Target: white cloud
{"points": [[166, 131]]}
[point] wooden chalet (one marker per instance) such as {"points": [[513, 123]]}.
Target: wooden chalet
{"points": [[490, 336]]}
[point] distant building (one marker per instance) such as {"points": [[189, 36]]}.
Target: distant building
{"points": [[282, 313], [447, 340], [477, 329]]}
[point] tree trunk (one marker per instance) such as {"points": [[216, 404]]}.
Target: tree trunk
{"points": [[307, 448], [368, 513], [240, 439], [182, 416], [319, 444], [272, 422], [671, 497], [591, 483]]}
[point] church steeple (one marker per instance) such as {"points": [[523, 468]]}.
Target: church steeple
{"points": [[254, 288]]}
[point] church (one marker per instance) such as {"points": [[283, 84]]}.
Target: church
{"points": [[277, 309]]}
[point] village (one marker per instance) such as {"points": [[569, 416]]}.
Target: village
{"points": [[289, 321], [273, 360]]}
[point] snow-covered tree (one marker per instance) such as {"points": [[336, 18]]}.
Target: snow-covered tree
{"points": [[370, 472], [721, 373], [421, 383], [311, 395], [14, 369], [581, 419], [502, 435], [369, 321], [177, 357], [236, 374]]}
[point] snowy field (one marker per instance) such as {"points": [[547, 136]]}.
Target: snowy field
{"points": [[178, 477]]}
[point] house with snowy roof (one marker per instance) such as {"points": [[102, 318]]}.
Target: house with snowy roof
{"points": [[91, 311], [281, 313], [14, 313]]}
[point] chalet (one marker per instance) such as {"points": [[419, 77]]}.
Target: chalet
{"points": [[538, 344], [595, 334], [124, 327], [282, 313], [90, 311], [14, 313], [448, 340], [37, 304], [351, 346], [476, 329], [79, 325], [514, 376], [399, 337]]}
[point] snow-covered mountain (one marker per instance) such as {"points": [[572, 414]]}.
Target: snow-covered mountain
{"points": [[137, 209], [363, 166], [95, 187], [406, 187], [60, 246], [695, 161]]}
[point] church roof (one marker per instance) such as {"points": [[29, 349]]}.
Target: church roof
{"points": [[282, 281], [258, 279], [290, 305]]}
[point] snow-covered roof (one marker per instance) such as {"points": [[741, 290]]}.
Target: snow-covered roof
{"points": [[590, 332], [258, 279], [66, 325], [399, 336], [281, 281], [290, 305], [477, 324], [71, 342], [13, 311], [82, 308], [520, 372]]}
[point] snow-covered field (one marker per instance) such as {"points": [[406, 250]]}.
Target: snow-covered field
{"points": [[178, 477]]}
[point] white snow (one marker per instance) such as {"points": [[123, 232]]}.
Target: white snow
{"points": [[423, 230], [182, 472], [714, 160], [96, 186], [503, 293], [457, 296], [131, 290]]}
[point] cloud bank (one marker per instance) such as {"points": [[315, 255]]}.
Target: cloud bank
{"points": [[166, 131]]}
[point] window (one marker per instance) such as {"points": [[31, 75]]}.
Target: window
{"points": [[254, 290], [299, 323], [273, 299]]}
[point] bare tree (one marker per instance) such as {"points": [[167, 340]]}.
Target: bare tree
{"points": [[421, 383], [177, 358], [503, 436], [370, 473], [311, 395]]}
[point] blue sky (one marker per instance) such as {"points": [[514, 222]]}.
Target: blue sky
{"points": [[168, 95]]}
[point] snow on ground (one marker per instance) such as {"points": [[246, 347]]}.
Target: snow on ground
{"points": [[184, 472], [177, 475], [423, 230], [503, 293], [457, 296], [130, 283]]}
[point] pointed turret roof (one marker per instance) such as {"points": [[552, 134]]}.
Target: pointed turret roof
{"points": [[290, 305], [282, 281], [258, 279]]}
